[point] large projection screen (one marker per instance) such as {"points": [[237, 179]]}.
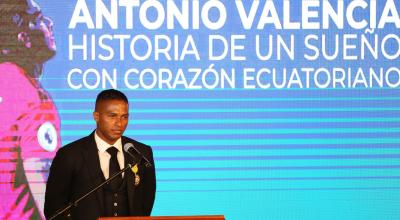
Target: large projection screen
{"points": [[254, 109]]}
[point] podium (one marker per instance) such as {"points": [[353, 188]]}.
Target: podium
{"points": [[197, 217]]}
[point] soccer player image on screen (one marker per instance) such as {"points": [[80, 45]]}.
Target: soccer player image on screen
{"points": [[29, 132]]}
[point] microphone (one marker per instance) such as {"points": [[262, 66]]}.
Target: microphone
{"points": [[127, 149]]}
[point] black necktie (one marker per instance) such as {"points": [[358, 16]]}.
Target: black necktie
{"points": [[114, 168]]}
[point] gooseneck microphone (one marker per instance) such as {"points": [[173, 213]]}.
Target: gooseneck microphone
{"points": [[129, 147]]}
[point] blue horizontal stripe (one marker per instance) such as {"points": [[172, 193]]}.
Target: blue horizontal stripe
{"points": [[245, 115], [243, 110], [270, 142], [279, 178], [244, 131], [284, 157], [185, 100], [273, 152], [191, 169], [242, 121], [221, 185], [356, 163], [284, 189], [220, 89], [276, 174]]}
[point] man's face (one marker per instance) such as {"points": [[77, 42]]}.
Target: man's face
{"points": [[111, 117]]}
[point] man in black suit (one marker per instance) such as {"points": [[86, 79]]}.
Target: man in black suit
{"points": [[80, 166]]}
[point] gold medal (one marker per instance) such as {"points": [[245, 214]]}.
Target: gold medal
{"points": [[137, 179], [135, 170]]}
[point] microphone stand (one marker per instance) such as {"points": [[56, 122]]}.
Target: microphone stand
{"points": [[75, 203]]}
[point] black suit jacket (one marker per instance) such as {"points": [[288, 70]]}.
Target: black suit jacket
{"points": [[75, 170]]}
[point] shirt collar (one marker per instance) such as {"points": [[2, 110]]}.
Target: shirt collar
{"points": [[102, 145]]}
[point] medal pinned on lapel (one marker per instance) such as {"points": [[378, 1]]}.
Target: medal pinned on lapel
{"points": [[135, 170]]}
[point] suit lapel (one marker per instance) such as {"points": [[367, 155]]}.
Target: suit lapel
{"points": [[130, 179], [93, 162]]}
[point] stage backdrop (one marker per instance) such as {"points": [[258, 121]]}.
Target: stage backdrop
{"points": [[254, 109]]}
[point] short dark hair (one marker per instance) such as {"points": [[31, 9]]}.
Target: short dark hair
{"points": [[111, 94]]}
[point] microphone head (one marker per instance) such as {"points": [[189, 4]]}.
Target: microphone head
{"points": [[127, 146]]}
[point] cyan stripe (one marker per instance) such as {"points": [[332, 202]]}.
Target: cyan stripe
{"points": [[243, 131], [283, 157], [269, 142], [261, 168], [278, 163], [243, 110], [241, 121], [374, 188], [221, 89], [299, 99], [272, 152], [277, 179], [222, 185], [270, 173]]}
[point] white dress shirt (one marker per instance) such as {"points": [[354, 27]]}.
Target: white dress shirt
{"points": [[104, 156]]}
